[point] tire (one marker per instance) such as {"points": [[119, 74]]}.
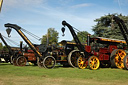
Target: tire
{"points": [[93, 63], [125, 62], [72, 58], [117, 57], [49, 62]]}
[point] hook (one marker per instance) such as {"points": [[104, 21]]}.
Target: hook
{"points": [[63, 30], [8, 30]]}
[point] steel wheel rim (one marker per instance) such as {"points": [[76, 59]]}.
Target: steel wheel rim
{"points": [[40, 62], [127, 62], [94, 63], [21, 61], [74, 58], [49, 62], [82, 64], [14, 62], [119, 56]]}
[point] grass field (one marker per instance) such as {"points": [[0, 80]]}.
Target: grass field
{"points": [[33, 75]]}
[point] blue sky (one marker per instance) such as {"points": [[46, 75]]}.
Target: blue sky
{"points": [[37, 16]]}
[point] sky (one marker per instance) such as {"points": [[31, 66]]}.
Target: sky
{"points": [[36, 16]]}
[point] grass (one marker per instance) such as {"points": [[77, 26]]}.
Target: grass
{"points": [[33, 75]]}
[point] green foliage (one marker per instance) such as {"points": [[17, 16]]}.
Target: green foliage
{"points": [[82, 36], [52, 36], [1, 46], [106, 28], [5, 48]]}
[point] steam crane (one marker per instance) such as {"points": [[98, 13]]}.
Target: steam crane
{"points": [[10, 54], [41, 59], [124, 32], [84, 55]]}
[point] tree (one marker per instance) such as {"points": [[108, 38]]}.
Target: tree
{"points": [[82, 36], [1, 46], [106, 27], [51, 37]]}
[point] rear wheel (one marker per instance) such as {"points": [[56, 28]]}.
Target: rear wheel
{"points": [[11, 59], [21, 61], [49, 62], [14, 61], [40, 62], [82, 63], [93, 63], [125, 62], [72, 58], [117, 57]]}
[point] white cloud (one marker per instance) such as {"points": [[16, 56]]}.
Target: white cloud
{"points": [[81, 5], [22, 3]]}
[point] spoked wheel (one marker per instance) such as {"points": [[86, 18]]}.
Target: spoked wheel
{"points": [[82, 63], [125, 62], [21, 61], [40, 62], [117, 57], [93, 63], [72, 58], [14, 61], [49, 62], [11, 59]]}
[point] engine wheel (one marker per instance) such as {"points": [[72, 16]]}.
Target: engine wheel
{"points": [[93, 63], [14, 61], [49, 62], [40, 62], [21, 61], [82, 63], [11, 59], [117, 57], [125, 62], [72, 58]]}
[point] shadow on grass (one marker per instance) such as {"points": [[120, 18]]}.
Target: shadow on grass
{"points": [[5, 64]]}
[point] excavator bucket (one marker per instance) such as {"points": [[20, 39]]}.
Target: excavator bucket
{"points": [[8, 30], [1, 2]]}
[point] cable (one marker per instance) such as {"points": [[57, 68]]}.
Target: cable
{"points": [[11, 41], [76, 30], [31, 34]]}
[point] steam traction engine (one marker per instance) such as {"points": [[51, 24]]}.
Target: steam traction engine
{"points": [[93, 54], [108, 52], [46, 55]]}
